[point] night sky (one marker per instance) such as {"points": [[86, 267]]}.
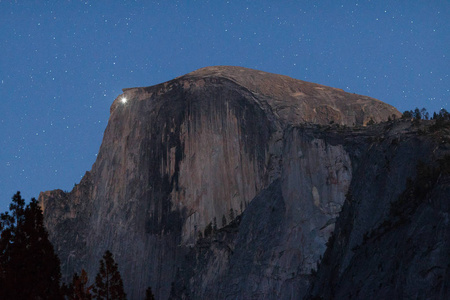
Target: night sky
{"points": [[62, 63]]}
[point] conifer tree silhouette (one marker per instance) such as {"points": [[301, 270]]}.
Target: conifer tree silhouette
{"points": [[108, 282], [29, 267]]}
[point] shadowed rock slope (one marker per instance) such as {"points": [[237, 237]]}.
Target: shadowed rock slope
{"points": [[392, 238], [226, 183]]}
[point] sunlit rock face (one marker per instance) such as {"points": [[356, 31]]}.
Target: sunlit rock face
{"points": [[204, 148]]}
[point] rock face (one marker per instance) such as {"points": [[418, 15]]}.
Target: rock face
{"points": [[226, 183], [392, 239], [389, 241]]}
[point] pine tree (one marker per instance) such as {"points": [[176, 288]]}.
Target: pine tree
{"points": [[224, 221], [108, 282], [149, 294], [407, 114], [208, 229], [29, 267], [417, 114], [78, 290], [231, 215], [214, 226]]}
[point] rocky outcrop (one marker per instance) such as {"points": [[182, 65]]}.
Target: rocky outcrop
{"points": [[392, 237], [226, 150]]}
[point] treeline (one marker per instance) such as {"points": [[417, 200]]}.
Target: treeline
{"points": [[30, 268], [422, 114]]}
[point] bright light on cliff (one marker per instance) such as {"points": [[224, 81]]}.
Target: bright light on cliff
{"points": [[124, 100]]}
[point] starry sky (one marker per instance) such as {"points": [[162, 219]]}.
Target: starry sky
{"points": [[62, 63]]}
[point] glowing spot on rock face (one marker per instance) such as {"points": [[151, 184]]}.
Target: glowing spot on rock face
{"points": [[124, 100]]}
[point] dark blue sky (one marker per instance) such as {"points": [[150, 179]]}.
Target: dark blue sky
{"points": [[62, 63]]}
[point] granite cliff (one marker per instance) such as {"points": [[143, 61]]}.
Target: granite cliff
{"points": [[227, 183]]}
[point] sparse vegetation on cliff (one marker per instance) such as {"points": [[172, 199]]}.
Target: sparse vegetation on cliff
{"points": [[417, 190], [422, 114]]}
